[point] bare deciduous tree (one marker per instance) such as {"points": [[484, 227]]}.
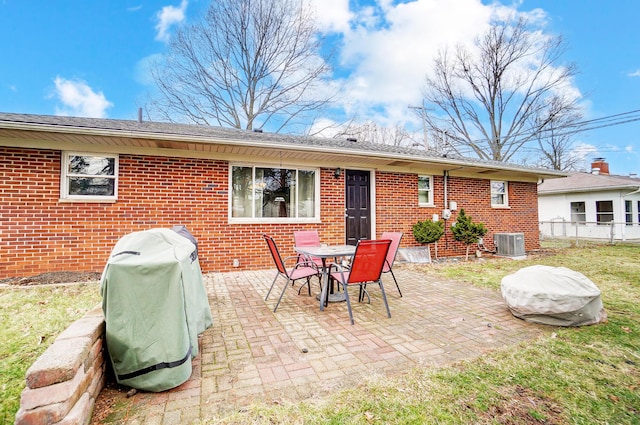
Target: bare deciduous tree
{"points": [[244, 64], [555, 140], [367, 131], [372, 132], [485, 100]]}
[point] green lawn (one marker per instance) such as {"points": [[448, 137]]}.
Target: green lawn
{"points": [[30, 318], [586, 375]]}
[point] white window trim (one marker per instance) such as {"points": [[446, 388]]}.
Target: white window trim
{"points": [[64, 187], [628, 213], [430, 201], [272, 220], [599, 213], [584, 214], [506, 194]]}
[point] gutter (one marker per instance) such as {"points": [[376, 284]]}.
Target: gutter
{"points": [[632, 193], [589, 189], [268, 141], [624, 212]]}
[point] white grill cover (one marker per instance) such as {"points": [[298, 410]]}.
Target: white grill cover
{"points": [[553, 296]]}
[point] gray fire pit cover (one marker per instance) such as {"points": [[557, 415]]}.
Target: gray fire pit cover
{"points": [[553, 296]]}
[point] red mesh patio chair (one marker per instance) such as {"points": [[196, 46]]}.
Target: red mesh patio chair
{"points": [[366, 267], [301, 269], [391, 255], [308, 238]]}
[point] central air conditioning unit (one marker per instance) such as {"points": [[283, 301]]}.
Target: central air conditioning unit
{"points": [[509, 244]]}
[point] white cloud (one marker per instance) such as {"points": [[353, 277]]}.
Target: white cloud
{"points": [[635, 73], [143, 69], [583, 152], [167, 17], [387, 49], [390, 49], [332, 15], [78, 99], [629, 148], [325, 127]]}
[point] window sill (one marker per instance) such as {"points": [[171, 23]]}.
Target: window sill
{"points": [[86, 201], [426, 205], [501, 207], [274, 221]]}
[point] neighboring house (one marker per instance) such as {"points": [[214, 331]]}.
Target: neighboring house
{"points": [[71, 187], [590, 205]]}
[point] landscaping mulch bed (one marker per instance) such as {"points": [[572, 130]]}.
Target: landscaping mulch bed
{"points": [[52, 278]]}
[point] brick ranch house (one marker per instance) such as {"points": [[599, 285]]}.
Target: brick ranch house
{"points": [[71, 187]]}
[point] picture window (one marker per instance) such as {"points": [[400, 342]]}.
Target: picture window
{"points": [[263, 194]]}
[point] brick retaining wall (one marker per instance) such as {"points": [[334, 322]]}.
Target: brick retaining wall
{"points": [[63, 383]]}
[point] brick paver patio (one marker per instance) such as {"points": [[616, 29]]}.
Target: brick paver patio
{"points": [[252, 354]]}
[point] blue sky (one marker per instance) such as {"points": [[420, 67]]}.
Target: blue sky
{"points": [[88, 58]]}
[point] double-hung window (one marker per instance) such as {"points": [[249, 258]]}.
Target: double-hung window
{"points": [[604, 212], [578, 213], [425, 191], [271, 194], [499, 193], [89, 176]]}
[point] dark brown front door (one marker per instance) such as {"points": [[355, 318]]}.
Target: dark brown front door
{"points": [[358, 208]]}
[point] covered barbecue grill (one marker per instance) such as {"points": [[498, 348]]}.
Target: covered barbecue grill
{"points": [[155, 305]]}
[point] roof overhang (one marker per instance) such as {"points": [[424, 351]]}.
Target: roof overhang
{"points": [[620, 188], [238, 146]]}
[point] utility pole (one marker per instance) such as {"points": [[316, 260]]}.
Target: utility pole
{"points": [[423, 115]]}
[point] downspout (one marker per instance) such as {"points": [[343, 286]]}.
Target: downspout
{"points": [[445, 179], [445, 207], [445, 175], [623, 208]]}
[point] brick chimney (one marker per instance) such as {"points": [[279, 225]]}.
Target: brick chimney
{"points": [[599, 166]]}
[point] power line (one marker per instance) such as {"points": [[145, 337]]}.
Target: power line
{"points": [[582, 126], [573, 128], [593, 125], [605, 118]]}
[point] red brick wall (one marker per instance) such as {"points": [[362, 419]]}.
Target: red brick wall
{"points": [[397, 204], [40, 234], [475, 197], [397, 209]]}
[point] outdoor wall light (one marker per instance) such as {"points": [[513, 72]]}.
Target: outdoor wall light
{"points": [[336, 173]]}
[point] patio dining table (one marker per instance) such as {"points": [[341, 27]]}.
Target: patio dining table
{"points": [[323, 252]]}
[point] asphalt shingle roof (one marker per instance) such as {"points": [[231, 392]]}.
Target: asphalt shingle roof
{"points": [[201, 133], [582, 182]]}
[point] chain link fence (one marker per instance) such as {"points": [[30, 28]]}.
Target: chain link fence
{"points": [[611, 232]]}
